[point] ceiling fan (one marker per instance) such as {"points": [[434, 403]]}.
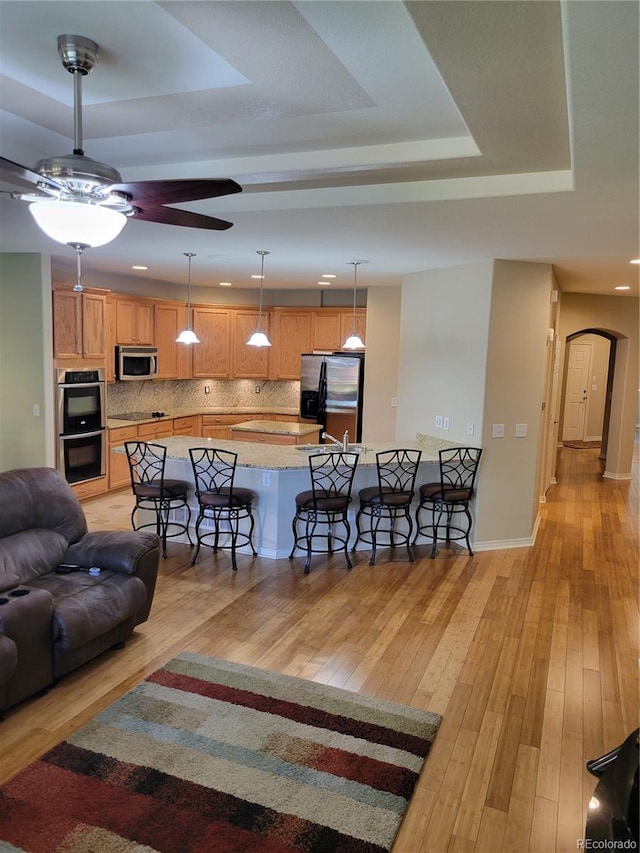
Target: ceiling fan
{"points": [[71, 191]]}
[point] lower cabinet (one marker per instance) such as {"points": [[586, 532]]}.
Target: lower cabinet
{"points": [[119, 476], [90, 488]]}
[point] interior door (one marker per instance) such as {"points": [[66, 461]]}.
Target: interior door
{"points": [[575, 401]]}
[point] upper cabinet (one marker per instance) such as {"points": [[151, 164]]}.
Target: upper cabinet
{"points": [[78, 324], [174, 359], [250, 362], [291, 337], [212, 356], [133, 321], [346, 325]]}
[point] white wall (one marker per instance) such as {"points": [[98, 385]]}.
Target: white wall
{"points": [[381, 363], [444, 338], [474, 348], [26, 362]]}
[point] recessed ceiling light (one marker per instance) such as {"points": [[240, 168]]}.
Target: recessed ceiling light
{"points": [[324, 283], [139, 267], [224, 283], [635, 261], [622, 287], [328, 275], [257, 276]]}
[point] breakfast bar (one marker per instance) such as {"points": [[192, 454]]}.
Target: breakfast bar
{"points": [[275, 474]]}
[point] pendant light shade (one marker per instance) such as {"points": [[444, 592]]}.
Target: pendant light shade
{"points": [[354, 341], [74, 222], [188, 336], [258, 338]]}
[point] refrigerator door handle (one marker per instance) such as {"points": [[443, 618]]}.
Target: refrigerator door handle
{"points": [[322, 393]]}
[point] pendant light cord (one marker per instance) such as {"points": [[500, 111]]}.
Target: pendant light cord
{"points": [[189, 255], [262, 253]]}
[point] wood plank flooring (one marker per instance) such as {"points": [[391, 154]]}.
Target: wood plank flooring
{"points": [[530, 655]]}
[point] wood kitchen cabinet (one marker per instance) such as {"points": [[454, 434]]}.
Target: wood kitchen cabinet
{"points": [[346, 322], [326, 330], [250, 362], [119, 476], [78, 324], [174, 359], [134, 321], [291, 337], [217, 426], [189, 425], [212, 356]]}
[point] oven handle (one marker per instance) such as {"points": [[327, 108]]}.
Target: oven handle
{"points": [[79, 384], [91, 434]]}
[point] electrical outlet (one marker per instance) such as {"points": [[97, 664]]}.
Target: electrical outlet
{"points": [[470, 428], [497, 431], [266, 478], [445, 423], [36, 410], [438, 421], [394, 402], [207, 389], [258, 389]]}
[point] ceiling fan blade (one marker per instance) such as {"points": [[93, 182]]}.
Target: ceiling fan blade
{"points": [[157, 193], [15, 173], [172, 216]]}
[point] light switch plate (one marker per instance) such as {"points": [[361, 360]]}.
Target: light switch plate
{"points": [[438, 421], [497, 431], [521, 430]]}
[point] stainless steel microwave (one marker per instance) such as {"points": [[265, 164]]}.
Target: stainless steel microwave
{"points": [[134, 363]]}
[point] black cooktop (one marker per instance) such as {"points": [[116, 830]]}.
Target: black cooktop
{"points": [[137, 416]]}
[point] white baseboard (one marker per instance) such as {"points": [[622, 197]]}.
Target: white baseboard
{"points": [[610, 475], [502, 544]]}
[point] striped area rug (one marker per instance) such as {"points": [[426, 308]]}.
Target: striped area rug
{"points": [[207, 755]]}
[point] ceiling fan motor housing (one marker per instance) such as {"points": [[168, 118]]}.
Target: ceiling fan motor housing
{"points": [[78, 53]]}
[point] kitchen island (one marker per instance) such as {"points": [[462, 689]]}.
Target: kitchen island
{"points": [[275, 474]]}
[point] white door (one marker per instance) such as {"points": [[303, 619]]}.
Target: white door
{"points": [[575, 401]]}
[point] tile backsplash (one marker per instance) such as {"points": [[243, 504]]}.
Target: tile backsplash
{"points": [[189, 393]]}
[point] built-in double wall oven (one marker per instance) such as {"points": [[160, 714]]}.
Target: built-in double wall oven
{"points": [[81, 422]]}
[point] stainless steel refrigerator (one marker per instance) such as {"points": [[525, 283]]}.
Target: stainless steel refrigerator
{"points": [[331, 392]]}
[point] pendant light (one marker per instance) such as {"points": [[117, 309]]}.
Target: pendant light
{"points": [[188, 336], [354, 341], [258, 338]]}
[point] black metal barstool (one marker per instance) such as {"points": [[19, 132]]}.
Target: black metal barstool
{"points": [[389, 501], [325, 505], [154, 492], [450, 497], [220, 500]]}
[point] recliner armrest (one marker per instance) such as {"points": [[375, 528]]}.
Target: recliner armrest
{"points": [[114, 550], [8, 581]]}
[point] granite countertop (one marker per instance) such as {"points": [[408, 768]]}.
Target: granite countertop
{"points": [[274, 457], [276, 428], [170, 413]]}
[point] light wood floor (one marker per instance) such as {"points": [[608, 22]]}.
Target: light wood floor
{"points": [[530, 655]]}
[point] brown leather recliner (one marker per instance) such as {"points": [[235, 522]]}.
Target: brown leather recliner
{"points": [[52, 623]]}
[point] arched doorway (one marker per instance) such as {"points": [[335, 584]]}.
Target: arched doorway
{"points": [[587, 382]]}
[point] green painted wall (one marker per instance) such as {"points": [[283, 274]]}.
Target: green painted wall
{"points": [[26, 364]]}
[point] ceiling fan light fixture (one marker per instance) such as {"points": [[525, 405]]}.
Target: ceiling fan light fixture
{"points": [[258, 338], [187, 335], [73, 222]]}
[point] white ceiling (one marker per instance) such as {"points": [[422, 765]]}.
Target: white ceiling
{"points": [[411, 134]]}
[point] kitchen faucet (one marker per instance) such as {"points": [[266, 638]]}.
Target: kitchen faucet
{"points": [[343, 445]]}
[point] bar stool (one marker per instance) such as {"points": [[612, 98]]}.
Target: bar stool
{"points": [[450, 497], [325, 505], [154, 492], [389, 501], [220, 500]]}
